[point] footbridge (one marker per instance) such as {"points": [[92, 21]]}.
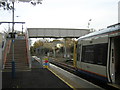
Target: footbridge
{"points": [[56, 32]]}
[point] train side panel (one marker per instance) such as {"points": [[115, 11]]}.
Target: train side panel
{"points": [[88, 62], [99, 54], [96, 71]]}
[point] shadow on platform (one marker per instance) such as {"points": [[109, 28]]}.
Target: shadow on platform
{"points": [[36, 78]]}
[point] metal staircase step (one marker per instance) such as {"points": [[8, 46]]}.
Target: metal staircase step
{"points": [[20, 57]]}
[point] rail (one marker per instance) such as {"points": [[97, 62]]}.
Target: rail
{"points": [[36, 58], [27, 47], [7, 49], [63, 64]]}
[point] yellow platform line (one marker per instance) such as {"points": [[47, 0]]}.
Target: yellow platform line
{"points": [[61, 79]]}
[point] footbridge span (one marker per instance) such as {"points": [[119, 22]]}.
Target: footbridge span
{"points": [[56, 32]]}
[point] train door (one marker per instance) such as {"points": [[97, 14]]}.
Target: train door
{"points": [[112, 61], [115, 60]]}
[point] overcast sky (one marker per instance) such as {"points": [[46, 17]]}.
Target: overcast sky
{"points": [[65, 14]]}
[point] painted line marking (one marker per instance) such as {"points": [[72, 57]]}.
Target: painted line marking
{"points": [[61, 78]]}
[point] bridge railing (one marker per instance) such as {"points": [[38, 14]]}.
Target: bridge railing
{"points": [[6, 51]]}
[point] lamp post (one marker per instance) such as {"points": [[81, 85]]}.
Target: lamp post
{"points": [[13, 36], [89, 22], [22, 28], [13, 17]]}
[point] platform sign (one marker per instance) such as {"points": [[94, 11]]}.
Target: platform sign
{"points": [[45, 62], [46, 58]]}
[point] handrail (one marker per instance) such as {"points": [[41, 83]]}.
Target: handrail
{"points": [[27, 47], [39, 60], [7, 49]]}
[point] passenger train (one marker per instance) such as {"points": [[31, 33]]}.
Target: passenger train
{"points": [[98, 54]]}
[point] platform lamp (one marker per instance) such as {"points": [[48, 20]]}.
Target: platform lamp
{"points": [[89, 23], [13, 34]]}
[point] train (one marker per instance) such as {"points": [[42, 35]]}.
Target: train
{"points": [[98, 54]]}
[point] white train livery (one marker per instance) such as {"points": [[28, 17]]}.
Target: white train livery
{"points": [[98, 54]]}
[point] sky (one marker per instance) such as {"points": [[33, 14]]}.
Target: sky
{"points": [[64, 14]]}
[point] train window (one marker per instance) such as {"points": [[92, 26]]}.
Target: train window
{"points": [[101, 54], [88, 54], [95, 54]]}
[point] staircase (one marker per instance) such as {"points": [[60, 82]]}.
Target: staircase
{"points": [[20, 56]]}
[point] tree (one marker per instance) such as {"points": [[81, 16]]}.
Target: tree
{"points": [[6, 4], [72, 49], [62, 49], [32, 50], [38, 44]]}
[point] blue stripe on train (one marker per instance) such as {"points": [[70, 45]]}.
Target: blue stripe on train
{"points": [[104, 79]]}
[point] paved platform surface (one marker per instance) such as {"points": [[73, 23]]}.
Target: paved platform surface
{"points": [[38, 77], [73, 80]]}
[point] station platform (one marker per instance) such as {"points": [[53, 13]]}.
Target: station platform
{"points": [[51, 77], [38, 77], [72, 80]]}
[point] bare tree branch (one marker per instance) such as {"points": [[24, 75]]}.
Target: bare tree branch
{"points": [[6, 4]]}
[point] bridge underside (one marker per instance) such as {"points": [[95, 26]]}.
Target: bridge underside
{"points": [[56, 32]]}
